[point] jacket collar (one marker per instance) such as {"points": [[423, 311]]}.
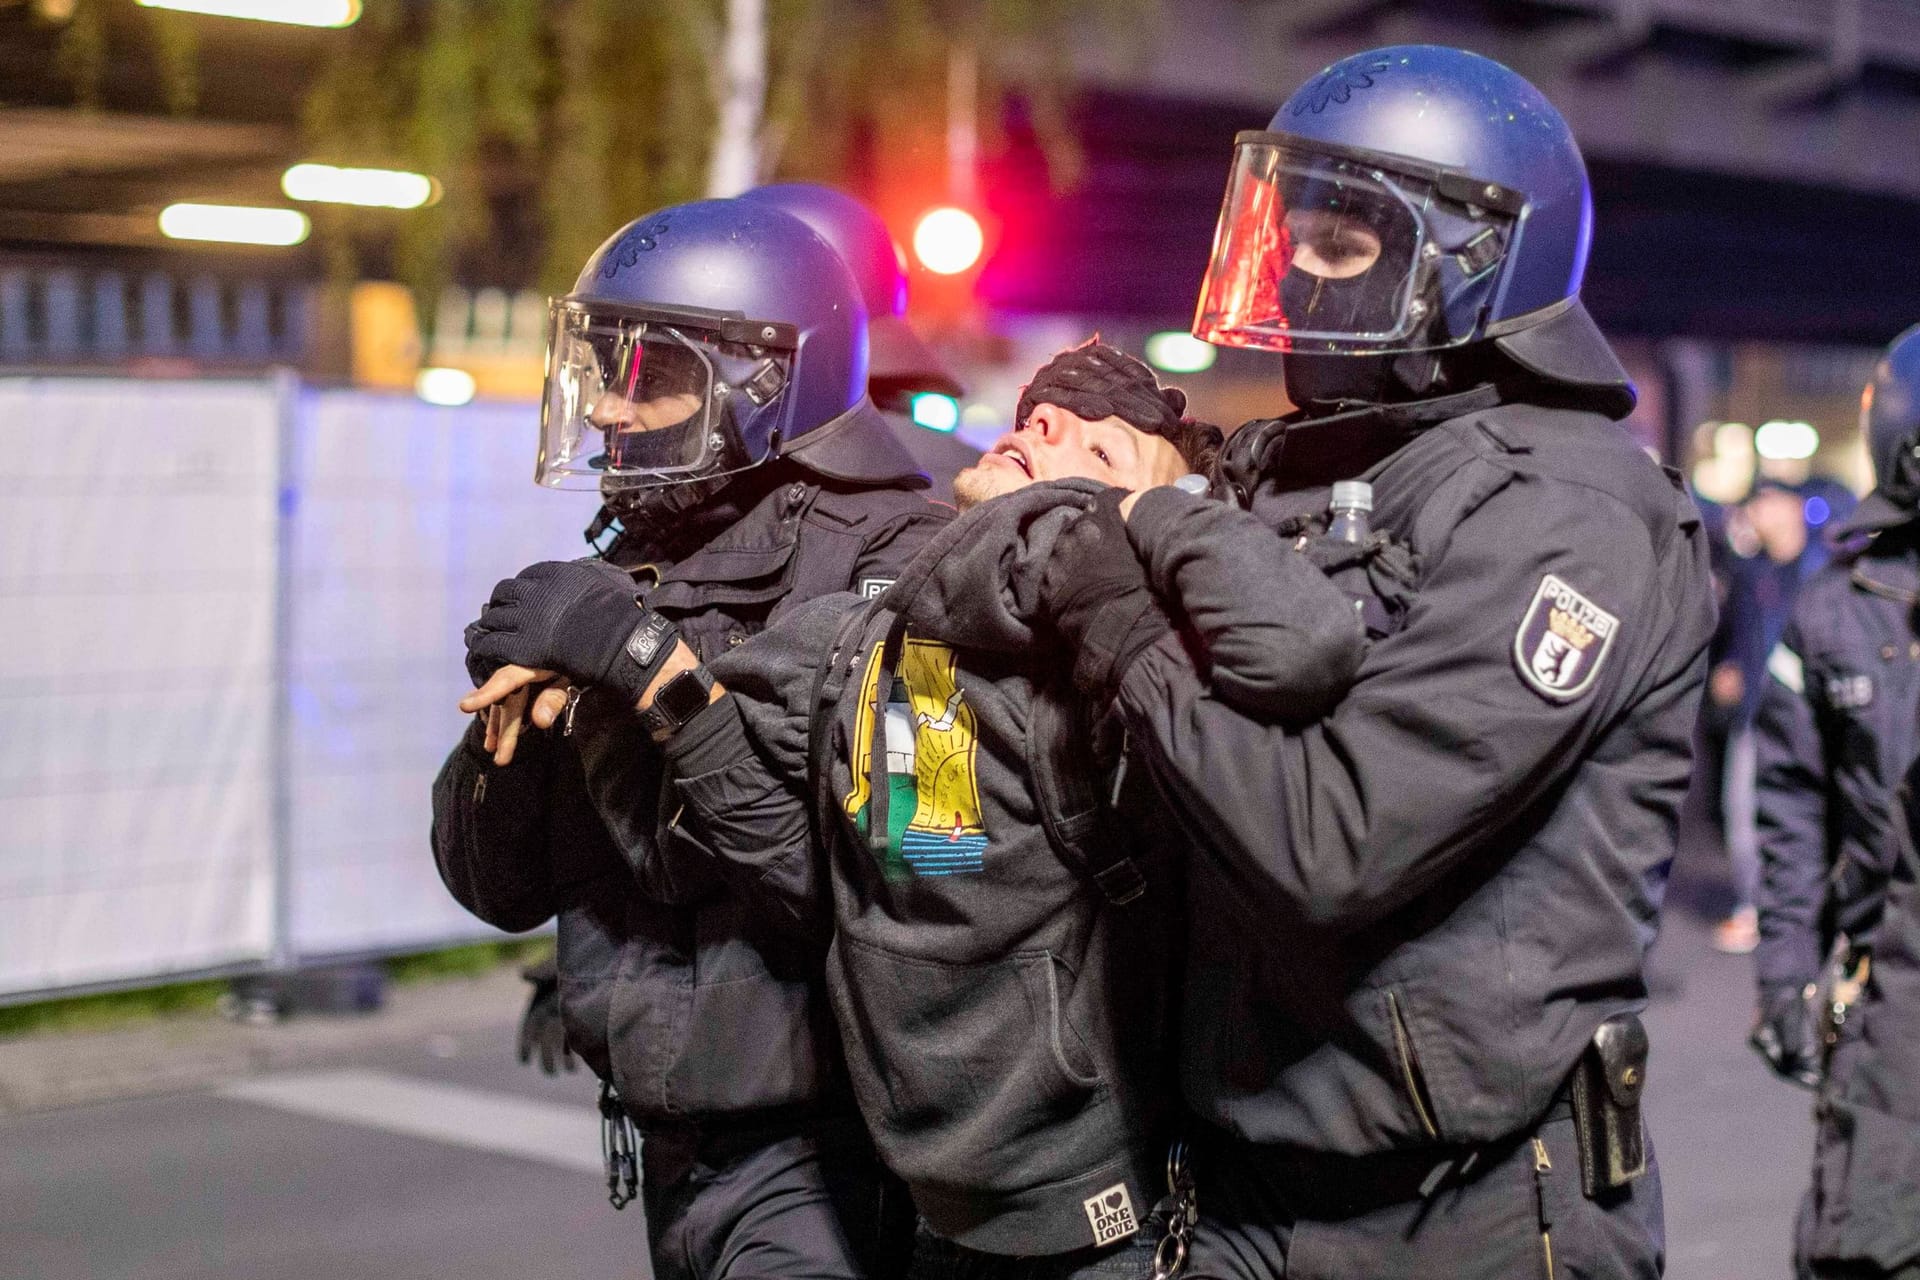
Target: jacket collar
{"points": [[1317, 451], [857, 447]]}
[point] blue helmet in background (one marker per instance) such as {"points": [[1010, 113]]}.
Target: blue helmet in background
{"points": [[1411, 199], [899, 360], [699, 340], [1890, 418], [1890, 406]]}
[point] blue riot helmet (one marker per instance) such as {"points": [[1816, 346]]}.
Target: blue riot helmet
{"points": [[899, 361], [1890, 406], [1412, 200], [699, 341], [1890, 417]]}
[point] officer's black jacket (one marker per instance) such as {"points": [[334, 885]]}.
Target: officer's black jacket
{"points": [[671, 989], [1835, 733], [1004, 1002], [1409, 917]]}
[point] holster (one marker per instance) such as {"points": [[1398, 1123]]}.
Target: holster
{"points": [[1606, 1086]]}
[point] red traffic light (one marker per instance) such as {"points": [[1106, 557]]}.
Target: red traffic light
{"points": [[948, 240]]}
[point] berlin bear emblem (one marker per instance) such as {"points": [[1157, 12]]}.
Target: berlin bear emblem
{"points": [[1562, 640]]}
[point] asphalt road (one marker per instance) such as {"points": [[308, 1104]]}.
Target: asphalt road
{"points": [[447, 1159]]}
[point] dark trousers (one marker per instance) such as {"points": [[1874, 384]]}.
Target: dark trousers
{"points": [[1517, 1213], [937, 1259], [1861, 1219], [804, 1202]]}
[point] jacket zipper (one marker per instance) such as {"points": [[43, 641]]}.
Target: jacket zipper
{"points": [[1542, 1166], [1409, 1067]]}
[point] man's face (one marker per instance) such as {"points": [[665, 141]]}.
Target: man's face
{"points": [[1056, 445], [614, 413], [1780, 518]]}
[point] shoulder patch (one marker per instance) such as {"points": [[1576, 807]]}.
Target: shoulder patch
{"points": [[870, 588], [1562, 640]]}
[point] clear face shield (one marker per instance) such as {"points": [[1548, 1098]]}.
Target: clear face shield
{"points": [[642, 397], [1336, 250]]}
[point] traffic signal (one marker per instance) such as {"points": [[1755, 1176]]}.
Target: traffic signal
{"points": [[948, 240]]}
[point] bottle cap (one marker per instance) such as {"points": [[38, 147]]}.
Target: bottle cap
{"points": [[1352, 495]]}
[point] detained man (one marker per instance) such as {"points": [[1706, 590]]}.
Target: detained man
{"points": [[921, 784]]}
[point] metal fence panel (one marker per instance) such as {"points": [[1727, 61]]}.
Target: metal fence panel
{"points": [[137, 554], [405, 517]]}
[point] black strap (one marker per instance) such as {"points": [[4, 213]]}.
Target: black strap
{"points": [[1079, 821], [829, 682]]}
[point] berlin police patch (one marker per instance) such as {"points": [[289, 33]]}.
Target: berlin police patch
{"points": [[1562, 641]]}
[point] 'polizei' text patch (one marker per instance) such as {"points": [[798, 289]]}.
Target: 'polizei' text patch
{"points": [[1562, 641]]}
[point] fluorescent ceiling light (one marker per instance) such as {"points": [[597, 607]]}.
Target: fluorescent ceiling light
{"points": [[233, 224], [450, 387], [299, 13], [378, 188]]}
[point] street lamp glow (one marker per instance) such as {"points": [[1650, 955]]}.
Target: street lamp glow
{"points": [[233, 224], [299, 13], [375, 188], [449, 387], [1780, 441], [1178, 352], [948, 240]]}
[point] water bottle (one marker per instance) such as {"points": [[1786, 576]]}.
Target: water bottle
{"points": [[1347, 512]]}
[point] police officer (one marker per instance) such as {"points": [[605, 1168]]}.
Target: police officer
{"points": [[900, 365], [1420, 921], [708, 375], [1835, 734], [1862, 1220]]}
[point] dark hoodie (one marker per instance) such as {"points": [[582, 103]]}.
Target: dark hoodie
{"points": [[1003, 962]]}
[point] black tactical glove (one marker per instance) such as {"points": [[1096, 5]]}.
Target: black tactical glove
{"points": [[581, 618], [1094, 590], [541, 1030], [1784, 1034]]}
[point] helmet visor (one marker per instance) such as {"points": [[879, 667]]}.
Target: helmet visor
{"points": [[637, 399], [1322, 251]]}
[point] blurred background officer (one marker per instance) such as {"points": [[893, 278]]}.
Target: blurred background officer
{"points": [[1411, 1031], [899, 365], [1836, 733], [1774, 554], [1862, 1218], [708, 374]]}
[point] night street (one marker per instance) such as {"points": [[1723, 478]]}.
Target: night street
{"points": [[444, 1157]]}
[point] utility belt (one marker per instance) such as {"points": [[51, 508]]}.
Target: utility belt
{"points": [[675, 1146], [1601, 1098]]}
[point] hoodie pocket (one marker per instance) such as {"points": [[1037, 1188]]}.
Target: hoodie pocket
{"points": [[973, 1074], [1408, 1059]]}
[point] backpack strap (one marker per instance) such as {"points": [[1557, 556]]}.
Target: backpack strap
{"points": [[823, 722], [1079, 821]]}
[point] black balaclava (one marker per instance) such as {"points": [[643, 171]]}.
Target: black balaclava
{"points": [[1322, 385], [667, 523]]}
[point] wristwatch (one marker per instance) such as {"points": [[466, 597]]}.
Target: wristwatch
{"points": [[679, 700]]}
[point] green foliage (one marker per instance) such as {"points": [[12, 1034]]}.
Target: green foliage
{"points": [[119, 1008], [466, 962], [594, 111], [96, 29], [190, 999]]}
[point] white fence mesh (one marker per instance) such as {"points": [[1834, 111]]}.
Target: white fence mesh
{"points": [[180, 628]]}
